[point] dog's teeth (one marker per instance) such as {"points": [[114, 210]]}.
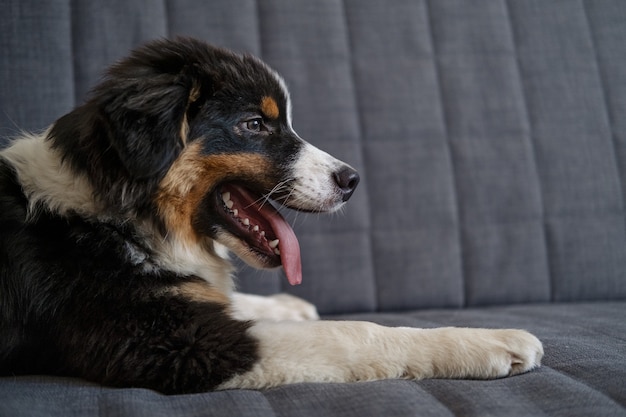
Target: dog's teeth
{"points": [[229, 203], [246, 221], [226, 196], [235, 212], [274, 243], [262, 233], [255, 228], [276, 251]]}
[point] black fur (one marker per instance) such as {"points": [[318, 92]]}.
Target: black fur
{"points": [[72, 300], [126, 136], [73, 304]]}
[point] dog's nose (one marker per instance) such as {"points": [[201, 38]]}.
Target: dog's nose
{"points": [[347, 179]]}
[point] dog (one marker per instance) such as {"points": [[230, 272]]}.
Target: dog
{"points": [[117, 222]]}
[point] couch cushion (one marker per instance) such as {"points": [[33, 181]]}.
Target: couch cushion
{"points": [[584, 374], [490, 134]]}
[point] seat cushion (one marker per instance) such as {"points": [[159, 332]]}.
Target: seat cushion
{"points": [[583, 374]]}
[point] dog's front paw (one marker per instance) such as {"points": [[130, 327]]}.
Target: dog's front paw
{"points": [[505, 352], [524, 350], [288, 307], [479, 353], [279, 307]]}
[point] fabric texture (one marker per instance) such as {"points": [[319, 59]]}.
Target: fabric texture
{"points": [[491, 140], [488, 133], [580, 340]]}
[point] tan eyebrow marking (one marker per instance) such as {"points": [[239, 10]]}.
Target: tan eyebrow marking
{"points": [[269, 107]]}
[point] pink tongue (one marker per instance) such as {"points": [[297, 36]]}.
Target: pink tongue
{"points": [[288, 246]]}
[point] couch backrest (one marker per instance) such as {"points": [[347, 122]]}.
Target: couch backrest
{"points": [[491, 135]]}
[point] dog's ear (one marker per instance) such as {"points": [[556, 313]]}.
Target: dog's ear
{"points": [[136, 121], [145, 114]]}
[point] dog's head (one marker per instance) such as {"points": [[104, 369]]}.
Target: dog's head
{"points": [[201, 138]]}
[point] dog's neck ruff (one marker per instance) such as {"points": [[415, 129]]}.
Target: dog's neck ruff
{"points": [[50, 184], [47, 181], [208, 260]]}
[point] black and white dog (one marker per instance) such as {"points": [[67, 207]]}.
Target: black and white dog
{"points": [[115, 228]]}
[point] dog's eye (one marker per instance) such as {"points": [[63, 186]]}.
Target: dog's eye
{"points": [[254, 125]]}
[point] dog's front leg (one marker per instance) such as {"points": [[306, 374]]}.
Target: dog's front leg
{"points": [[335, 351]]}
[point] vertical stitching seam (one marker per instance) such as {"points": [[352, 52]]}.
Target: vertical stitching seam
{"points": [[360, 144], [529, 123], [604, 91], [166, 16], [605, 98], [448, 142]]}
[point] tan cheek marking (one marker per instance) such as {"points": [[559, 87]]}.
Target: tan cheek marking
{"points": [[191, 176], [200, 292], [269, 107]]}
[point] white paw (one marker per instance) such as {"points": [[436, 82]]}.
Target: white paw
{"points": [[279, 307], [288, 307], [479, 353], [510, 352]]}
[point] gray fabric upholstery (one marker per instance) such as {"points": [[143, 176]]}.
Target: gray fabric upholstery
{"points": [[581, 340], [491, 138]]}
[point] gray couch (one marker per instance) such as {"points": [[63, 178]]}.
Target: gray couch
{"points": [[491, 139]]}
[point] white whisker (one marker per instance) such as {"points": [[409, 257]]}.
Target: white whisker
{"points": [[265, 198]]}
